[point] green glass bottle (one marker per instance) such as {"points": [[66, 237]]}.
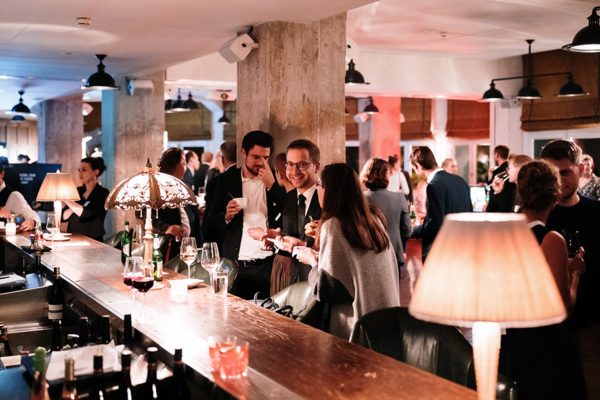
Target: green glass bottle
{"points": [[157, 259], [125, 243]]}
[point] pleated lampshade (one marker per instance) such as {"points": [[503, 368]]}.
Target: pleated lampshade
{"points": [[58, 186], [487, 267]]}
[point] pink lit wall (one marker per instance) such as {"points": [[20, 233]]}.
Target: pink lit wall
{"points": [[386, 127]]}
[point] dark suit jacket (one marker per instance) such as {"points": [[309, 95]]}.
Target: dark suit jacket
{"points": [[446, 194], [191, 210], [91, 221], [299, 271], [505, 200], [228, 186], [200, 176]]}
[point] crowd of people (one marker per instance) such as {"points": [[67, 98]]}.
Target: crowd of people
{"points": [[346, 234]]}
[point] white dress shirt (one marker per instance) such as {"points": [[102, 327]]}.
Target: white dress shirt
{"points": [[17, 204], [255, 215]]}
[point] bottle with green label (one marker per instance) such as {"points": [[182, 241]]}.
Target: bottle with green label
{"points": [[125, 243], [157, 259]]}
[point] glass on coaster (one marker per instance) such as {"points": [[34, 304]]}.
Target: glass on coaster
{"points": [[218, 281], [228, 356]]}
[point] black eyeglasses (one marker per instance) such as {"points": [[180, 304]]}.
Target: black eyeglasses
{"points": [[302, 165]]}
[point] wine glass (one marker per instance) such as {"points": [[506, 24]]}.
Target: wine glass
{"points": [[129, 271], [210, 259], [142, 279], [51, 226], [137, 239], [188, 252], [573, 243]]}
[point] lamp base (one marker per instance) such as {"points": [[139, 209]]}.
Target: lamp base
{"points": [[486, 352], [148, 236]]}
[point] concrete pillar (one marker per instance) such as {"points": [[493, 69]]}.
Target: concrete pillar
{"points": [[366, 133], [293, 85], [439, 118], [60, 132], [132, 131]]}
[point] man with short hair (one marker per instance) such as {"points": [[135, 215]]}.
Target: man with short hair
{"points": [[13, 202], [256, 183], [200, 177], [581, 214], [191, 169], [505, 200], [446, 194], [301, 205], [449, 165]]}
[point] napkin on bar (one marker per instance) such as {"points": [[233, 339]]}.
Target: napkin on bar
{"points": [[84, 360]]}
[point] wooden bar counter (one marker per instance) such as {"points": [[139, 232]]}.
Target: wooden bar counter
{"points": [[288, 359]]}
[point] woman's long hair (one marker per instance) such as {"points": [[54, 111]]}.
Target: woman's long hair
{"points": [[345, 201]]}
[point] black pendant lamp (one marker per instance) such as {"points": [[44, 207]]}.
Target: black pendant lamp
{"points": [[371, 108], [20, 107], [17, 118], [100, 80], [168, 106], [224, 120], [190, 104], [492, 94], [353, 77], [587, 40], [529, 92], [571, 89], [178, 104]]}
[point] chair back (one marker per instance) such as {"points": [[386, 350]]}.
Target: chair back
{"points": [[301, 298]]}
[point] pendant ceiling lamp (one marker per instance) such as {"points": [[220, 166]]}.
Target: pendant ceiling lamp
{"points": [[529, 92], [587, 40], [178, 104], [492, 94], [20, 107], [100, 80], [169, 106], [353, 77], [224, 120], [571, 89], [17, 118], [190, 104], [371, 108]]}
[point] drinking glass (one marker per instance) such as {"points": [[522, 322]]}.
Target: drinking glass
{"points": [[188, 252], [228, 356], [51, 227], [137, 238], [210, 259], [219, 278], [573, 244], [142, 280]]}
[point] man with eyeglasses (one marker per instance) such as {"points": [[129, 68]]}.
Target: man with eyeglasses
{"points": [[301, 205]]}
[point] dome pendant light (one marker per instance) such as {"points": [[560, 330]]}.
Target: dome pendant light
{"points": [[178, 105], [224, 120], [529, 92], [587, 40], [353, 77], [17, 119], [20, 107], [371, 108], [190, 104], [571, 89], [169, 106], [100, 80], [492, 94]]}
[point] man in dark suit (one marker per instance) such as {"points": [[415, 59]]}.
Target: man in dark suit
{"points": [[200, 176], [255, 182], [505, 200], [191, 169], [446, 194], [301, 205]]}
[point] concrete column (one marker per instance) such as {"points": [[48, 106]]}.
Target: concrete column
{"points": [[132, 131], [60, 132], [293, 85], [439, 119], [366, 133]]}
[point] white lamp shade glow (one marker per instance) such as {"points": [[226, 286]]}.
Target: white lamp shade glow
{"points": [[58, 186]]}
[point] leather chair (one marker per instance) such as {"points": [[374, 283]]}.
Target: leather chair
{"points": [[439, 349], [114, 240], [197, 272], [300, 297]]}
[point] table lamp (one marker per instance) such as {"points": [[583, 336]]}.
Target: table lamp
{"points": [[150, 190], [58, 187], [487, 271]]}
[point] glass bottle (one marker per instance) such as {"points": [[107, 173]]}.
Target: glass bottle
{"points": [[149, 389], [157, 259], [179, 389], [4, 336], [127, 330], [105, 331], [125, 243], [39, 388], [56, 335], [97, 390], [84, 332], [56, 300], [69, 390], [125, 389]]}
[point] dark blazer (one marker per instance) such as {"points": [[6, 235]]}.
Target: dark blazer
{"points": [[505, 200], [394, 207], [91, 221], [191, 210], [299, 271], [229, 186], [446, 194], [200, 177]]}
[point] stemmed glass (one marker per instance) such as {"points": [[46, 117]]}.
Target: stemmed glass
{"points": [[210, 259], [142, 279], [188, 252], [129, 271], [51, 226], [137, 239]]}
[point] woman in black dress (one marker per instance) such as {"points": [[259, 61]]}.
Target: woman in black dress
{"points": [[86, 216]]}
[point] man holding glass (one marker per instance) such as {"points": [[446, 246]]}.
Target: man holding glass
{"points": [[13, 202], [244, 198], [574, 213]]}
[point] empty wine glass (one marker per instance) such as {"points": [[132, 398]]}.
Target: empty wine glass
{"points": [[51, 227], [142, 280], [137, 239], [210, 259], [188, 252]]}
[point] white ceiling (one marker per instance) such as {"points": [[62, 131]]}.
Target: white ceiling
{"points": [[43, 51]]}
